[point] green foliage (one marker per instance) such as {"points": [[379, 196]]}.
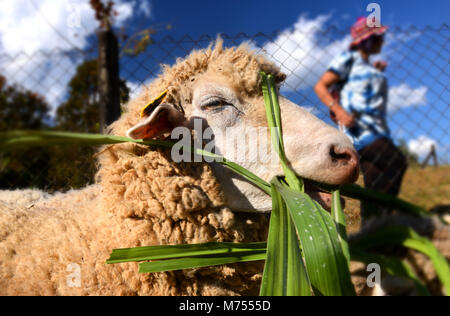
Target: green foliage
{"points": [[22, 109], [189, 256], [138, 42], [80, 113], [52, 168], [323, 253], [201, 255], [307, 250], [407, 237], [392, 266], [327, 265], [183, 251], [74, 166], [284, 271]]}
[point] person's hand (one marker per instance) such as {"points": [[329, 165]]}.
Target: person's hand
{"points": [[380, 65], [341, 116]]}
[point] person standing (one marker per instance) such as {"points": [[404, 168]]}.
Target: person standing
{"points": [[356, 93]]}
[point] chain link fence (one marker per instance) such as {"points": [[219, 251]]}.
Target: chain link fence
{"points": [[59, 90]]}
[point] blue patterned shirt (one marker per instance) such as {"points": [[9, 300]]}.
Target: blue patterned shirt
{"points": [[365, 94]]}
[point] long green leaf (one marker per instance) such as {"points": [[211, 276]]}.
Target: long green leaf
{"points": [[298, 283], [407, 237], [17, 139], [273, 114], [339, 218], [325, 261], [392, 266], [184, 250], [284, 271], [200, 261], [274, 275], [357, 192]]}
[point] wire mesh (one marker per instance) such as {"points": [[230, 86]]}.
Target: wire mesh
{"points": [[418, 109]]}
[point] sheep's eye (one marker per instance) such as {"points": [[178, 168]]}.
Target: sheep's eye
{"points": [[214, 105]]}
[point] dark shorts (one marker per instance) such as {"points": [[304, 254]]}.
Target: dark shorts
{"points": [[383, 166]]}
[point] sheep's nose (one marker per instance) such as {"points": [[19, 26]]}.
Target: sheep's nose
{"points": [[346, 163]]}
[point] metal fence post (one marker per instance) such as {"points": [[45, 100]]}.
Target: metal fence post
{"points": [[433, 155], [108, 61]]}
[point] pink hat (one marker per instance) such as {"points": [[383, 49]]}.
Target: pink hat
{"points": [[361, 31]]}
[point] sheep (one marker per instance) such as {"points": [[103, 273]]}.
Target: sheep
{"points": [[58, 244]]}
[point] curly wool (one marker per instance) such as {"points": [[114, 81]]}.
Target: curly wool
{"points": [[239, 65], [140, 204], [141, 198]]}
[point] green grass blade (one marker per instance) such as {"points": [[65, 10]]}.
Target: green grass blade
{"points": [[269, 109], [17, 139], [339, 218], [250, 176], [276, 112], [284, 271], [184, 250], [407, 237], [357, 192], [274, 277], [298, 283], [273, 114], [200, 261], [392, 266], [326, 264]]}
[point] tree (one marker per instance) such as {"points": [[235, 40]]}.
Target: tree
{"points": [[59, 168], [80, 112], [23, 109], [74, 167]]}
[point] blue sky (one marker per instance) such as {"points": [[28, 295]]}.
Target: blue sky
{"points": [[410, 119], [252, 16], [418, 72]]}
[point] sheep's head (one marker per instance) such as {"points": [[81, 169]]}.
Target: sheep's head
{"points": [[221, 88]]}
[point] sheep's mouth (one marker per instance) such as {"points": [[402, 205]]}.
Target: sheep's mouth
{"points": [[319, 195]]}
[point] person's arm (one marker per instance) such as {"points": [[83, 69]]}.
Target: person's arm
{"points": [[380, 65], [322, 90]]}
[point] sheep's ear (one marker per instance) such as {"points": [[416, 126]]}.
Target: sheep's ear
{"points": [[163, 119]]}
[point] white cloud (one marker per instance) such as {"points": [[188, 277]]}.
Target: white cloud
{"points": [[30, 27], [403, 96], [421, 146], [146, 8], [303, 53], [137, 87]]}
